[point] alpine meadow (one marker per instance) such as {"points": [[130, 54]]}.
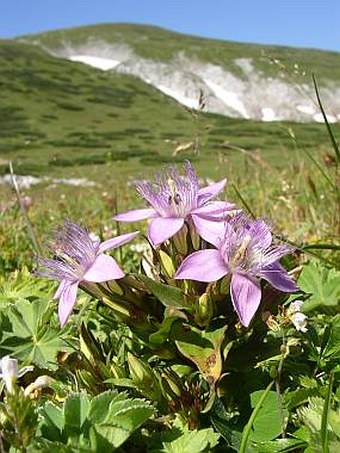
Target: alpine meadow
{"points": [[170, 236]]}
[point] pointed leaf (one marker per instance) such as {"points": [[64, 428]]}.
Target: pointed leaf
{"points": [[75, 413], [169, 296], [267, 424], [201, 347]]}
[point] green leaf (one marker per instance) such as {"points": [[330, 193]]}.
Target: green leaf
{"points": [[280, 446], [75, 413], [193, 441], [31, 337], [99, 406], [21, 286], [300, 396], [331, 350], [52, 421], [313, 418], [123, 417], [322, 283], [221, 422], [26, 317], [169, 296], [121, 382], [247, 431], [325, 416], [163, 332], [268, 422], [45, 446], [201, 347]]}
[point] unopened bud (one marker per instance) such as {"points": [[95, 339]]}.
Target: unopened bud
{"points": [[225, 285], [180, 240], [170, 389], [167, 264], [205, 310], [143, 377], [140, 371], [195, 238]]}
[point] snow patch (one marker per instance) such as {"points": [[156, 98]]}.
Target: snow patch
{"points": [[96, 62], [252, 95], [26, 181], [319, 118], [308, 109], [268, 114], [229, 98], [184, 100]]}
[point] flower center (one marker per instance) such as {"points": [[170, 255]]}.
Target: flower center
{"points": [[180, 197], [240, 254]]}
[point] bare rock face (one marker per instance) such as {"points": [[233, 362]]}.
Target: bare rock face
{"points": [[249, 93]]}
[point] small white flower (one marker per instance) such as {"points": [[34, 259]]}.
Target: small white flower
{"points": [[298, 319], [9, 371]]}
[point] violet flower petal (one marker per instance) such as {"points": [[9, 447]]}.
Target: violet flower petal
{"points": [[214, 209], [246, 296], [260, 230], [61, 288], [203, 266], [278, 277], [206, 193], [210, 231], [66, 301], [135, 215], [117, 241], [103, 269], [162, 228]]}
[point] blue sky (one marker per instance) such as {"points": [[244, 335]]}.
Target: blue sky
{"points": [[299, 23]]}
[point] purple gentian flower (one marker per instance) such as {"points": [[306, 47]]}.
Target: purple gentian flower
{"points": [[246, 252], [79, 258], [174, 199]]}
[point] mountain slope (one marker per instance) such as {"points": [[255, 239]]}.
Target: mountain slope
{"points": [[52, 108], [237, 80], [63, 118]]}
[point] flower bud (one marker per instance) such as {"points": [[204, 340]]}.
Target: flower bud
{"points": [[205, 310], [224, 285], [195, 238], [167, 264], [170, 389], [143, 377], [180, 240]]}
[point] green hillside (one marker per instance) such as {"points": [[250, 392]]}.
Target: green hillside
{"points": [[56, 114], [162, 45], [67, 120]]}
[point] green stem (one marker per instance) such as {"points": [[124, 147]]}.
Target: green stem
{"points": [[30, 229], [278, 384], [247, 428]]}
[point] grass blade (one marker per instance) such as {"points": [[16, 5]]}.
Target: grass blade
{"points": [[325, 415], [30, 230], [329, 129], [243, 201]]}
